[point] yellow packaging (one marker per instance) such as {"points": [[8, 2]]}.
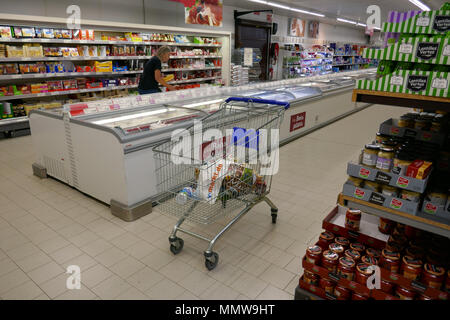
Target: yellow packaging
{"points": [[169, 77], [424, 170], [103, 66]]}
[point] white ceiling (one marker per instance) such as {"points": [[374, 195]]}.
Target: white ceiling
{"points": [[350, 9]]}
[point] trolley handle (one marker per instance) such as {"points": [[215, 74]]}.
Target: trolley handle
{"points": [[257, 100]]}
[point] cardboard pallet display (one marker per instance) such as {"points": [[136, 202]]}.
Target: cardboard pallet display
{"points": [[421, 49], [428, 22], [428, 83]]}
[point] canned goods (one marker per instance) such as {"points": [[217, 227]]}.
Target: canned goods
{"points": [[390, 260], [346, 268], [352, 219], [330, 260], [314, 254], [369, 260], [342, 241], [386, 226], [337, 248], [433, 276], [311, 278], [362, 273], [411, 268], [353, 254], [358, 247], [373, 253], [326, 238]]}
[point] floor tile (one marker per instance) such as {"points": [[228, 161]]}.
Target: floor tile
{"points": [[11, 280], [127, 267], [53, 244], [165, 290], [111, 288], [23, 251], [253, 265], [197, 282], [33, 261], [176, 270], [77, 294], [83, 261], [132, 294], [65, 254], [145, 278], [111, 256], [45, 272], [56, 286], [96, 247], [6, 266], [94, 275], [249, 285], [277, 277], [219, 291], [27, 291], [273, 293], [157, 259]]}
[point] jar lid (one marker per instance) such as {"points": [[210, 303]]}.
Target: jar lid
{"points": [[393, 255], [327, 235], [373, 253], [354, 212], [434, 270], [354, 254], [330, 255], [364, 268], [372, 147], [379, 134], [335, 247], [342, 240], [358, 246], [369, 260], [389, 143], [412, 262], [347, 262], [386, 149], [314, 249]]}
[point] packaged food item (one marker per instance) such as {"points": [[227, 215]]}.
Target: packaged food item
{"points": [[57, 34], [70, 84], [411, 268], [390, 260], [311, 278], [437, 196], [5, 32], [73, 52], [358, 247], [55, 85], [341, 293], [357, 182], [344, 242], [373, 253], [330, 260], [66, 34], [389, 191], [48, 33], [92, 51], [404, 293], [385, 159], [65, 52], [33, 51], [433, 276], [325, 239], [419, 169], [405, 122], [14, 51], [337, 248], [353, 254], [371, 185], [402, 160], [17, 32], [327, 285], [380, 138], [314, 254], [362, 273], [370, 155], [410, 195], [10, 68], [346, 268], [352, 219], [422, 124]]}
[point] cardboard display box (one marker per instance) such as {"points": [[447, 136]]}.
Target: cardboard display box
{"points": [[427, 22]]}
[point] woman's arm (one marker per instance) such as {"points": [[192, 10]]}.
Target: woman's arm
{"points": [[160, 79]]}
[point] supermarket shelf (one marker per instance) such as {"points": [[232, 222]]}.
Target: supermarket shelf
{"points": [[194, 57], [191, 69], [105, 42], [193, 80], [401, 99], [432, 224], [64, 74], [349, 64], [60, 93], [26, 59], [12, 125], [347, 55], [301, 294]]}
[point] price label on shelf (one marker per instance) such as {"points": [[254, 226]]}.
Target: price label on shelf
{"points": [[406, 48], [423, 21], [396, 80], [41, 94]]}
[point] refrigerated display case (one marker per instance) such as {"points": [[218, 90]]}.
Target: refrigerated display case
{"points": [[109, 155]]}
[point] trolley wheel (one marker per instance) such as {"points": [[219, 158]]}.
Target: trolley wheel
{"points": [[274, 215], [176, 245], [211, 260]]}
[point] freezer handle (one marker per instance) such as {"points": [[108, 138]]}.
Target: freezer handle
{"points": [[257, 100]]}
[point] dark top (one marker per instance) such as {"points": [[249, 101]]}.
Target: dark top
{"points": [[148, 80]]}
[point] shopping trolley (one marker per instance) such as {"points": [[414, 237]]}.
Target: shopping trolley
{"points": [[231, 172]]}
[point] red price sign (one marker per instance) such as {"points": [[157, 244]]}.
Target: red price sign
{"points": [[297, 121]]}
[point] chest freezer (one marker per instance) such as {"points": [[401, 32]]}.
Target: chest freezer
{"points": [[109, 155]]}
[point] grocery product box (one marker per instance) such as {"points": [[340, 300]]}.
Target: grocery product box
{"points": [[442, 211], [381, 199], [390, 127], [105, 66], [387, 178], [6, 110], [427, 22], [426, 83], [422, 49]]}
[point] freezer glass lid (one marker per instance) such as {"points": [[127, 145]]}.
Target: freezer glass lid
{"points": [[209, 105], [147, 119], [302, 92], [274, 95], [323, 86]]}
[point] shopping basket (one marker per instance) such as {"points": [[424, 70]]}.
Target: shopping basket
{"points": [[220, 165]]}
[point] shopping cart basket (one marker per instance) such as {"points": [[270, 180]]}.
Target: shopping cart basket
{"points": [[231, 172]]}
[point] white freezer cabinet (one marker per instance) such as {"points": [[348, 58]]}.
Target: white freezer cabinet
{"points": [[109, 155]]}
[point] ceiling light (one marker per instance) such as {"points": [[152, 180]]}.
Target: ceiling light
{"points": [[346, 21], [421, 5], [274, 4], [361, 24], [259, 1], [192, 105], [308, 12]]}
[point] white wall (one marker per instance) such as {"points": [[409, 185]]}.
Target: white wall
{"points": [[157, 12]]}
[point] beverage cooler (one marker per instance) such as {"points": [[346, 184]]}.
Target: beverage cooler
{"points": [[109, 155]]}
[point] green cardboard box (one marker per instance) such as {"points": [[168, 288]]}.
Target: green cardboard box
{"points": [[427, 22]]}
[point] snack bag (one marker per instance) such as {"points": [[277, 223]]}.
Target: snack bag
{"points": [[210, 179]]}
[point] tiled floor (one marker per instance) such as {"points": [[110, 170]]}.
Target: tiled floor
{"points": [[46, 226]]}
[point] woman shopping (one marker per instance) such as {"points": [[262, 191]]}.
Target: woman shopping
{"points": [[152, 77]]}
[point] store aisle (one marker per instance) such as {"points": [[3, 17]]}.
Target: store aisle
{"points": [[46, 226]]}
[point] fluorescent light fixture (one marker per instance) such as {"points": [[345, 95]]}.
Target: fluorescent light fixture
{"points": [[192, 105], [346, 21], [361, 24], [258, 1], [274, 4], [131, 116], [308, 12], [278, 5], [420, 4]]}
